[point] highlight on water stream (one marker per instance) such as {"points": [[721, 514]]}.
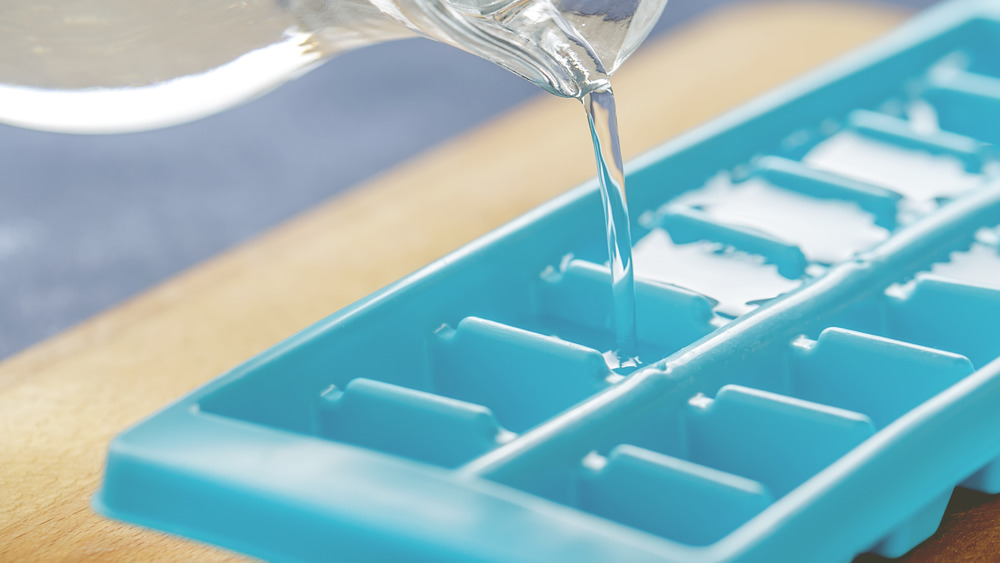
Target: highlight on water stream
{"points": [[603, 120]]}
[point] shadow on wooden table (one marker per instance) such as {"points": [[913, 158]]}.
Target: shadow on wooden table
{"points": [[969, 532]]}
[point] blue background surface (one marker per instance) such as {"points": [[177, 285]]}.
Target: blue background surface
{"points": [[87, 221]]}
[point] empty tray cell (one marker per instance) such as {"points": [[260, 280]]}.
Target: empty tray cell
{"points": [[916, 173], [777, 440], [878, 377], [946, 315], [660, 429], [826, 230], [709, 268], [982, 60], [916, 529], [865, 316], [523, 377], [795, 176], [965, 102], [407, 423], [671, 497], [280, 391], [575, 303]]}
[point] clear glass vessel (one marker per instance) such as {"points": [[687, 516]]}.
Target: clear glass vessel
{"points": [[101, 66]]}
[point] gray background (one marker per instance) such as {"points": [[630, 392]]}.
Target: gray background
{"points": [[86, 221]]}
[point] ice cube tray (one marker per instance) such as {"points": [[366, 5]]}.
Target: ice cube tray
{"points": [[818, 303]]}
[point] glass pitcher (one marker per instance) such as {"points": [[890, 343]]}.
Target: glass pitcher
{"points": [[101, 66]]}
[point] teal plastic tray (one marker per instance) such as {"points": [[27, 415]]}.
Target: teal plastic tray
{"points": [[818, 303]]}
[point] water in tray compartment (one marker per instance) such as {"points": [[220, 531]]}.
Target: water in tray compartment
{"points": [[914, 174], [709, 268], [826, 230], [978, 265]]}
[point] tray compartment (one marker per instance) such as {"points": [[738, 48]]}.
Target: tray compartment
{"points": [[574, 303], [687, 225], [777, 440], [525, 377], [965, 102], [407, 423], [972, 153], [793, 175], [705, 266], [664, 495], [879, 377], [707, 469], [946, 315], [979, 265], [787, 226], [920, 171]]}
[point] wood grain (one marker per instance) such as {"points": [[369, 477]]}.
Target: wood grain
{"points": [[62, 401]]}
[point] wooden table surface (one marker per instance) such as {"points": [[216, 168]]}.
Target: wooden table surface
{"points": [[63, 400]]}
